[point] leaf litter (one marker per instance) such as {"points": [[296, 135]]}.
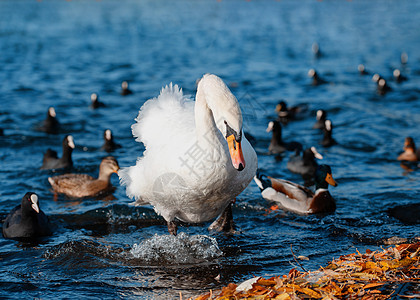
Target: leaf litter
{"points": [[371, 275]]}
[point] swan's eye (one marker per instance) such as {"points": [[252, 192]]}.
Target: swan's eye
{"points": [[230, 131]]}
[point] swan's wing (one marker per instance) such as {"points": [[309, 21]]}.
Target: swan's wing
{"points": [[166, 126], [164, 120]]}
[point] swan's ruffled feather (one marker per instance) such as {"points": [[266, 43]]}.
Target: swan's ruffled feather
{"points": [[159, 117], [165, 125]]}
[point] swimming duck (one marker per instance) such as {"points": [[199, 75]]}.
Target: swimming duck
{"points": [[197, 159], [109, 144], [51, 160], [410, 153], [398, 77], [316, 80], [299, 199], [383, 87], [50, 124], [124, 89], [83, 185], [27, 220], [306, 164], [321, 116], [95, 103], [286, 113], [277, 145], [328, 140]]}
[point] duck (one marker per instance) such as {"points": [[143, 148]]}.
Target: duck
{"points": [[410, 153], [27, 220], [297, 198], [124, 89], [398, 77], [95, 103], [328, 140], [316, 80], [83, 185], [306, 164], [51, 159], [197, 159], [286, 114], [277, 145], [109, 144], [50, 124], [321, 116]]}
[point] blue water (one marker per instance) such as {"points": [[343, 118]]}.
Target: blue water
{"points": [[56, 53]]}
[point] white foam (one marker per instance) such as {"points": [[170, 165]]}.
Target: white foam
{"points": [[180, 249]]}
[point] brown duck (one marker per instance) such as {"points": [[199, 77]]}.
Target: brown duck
{"points": [[83, 185]]}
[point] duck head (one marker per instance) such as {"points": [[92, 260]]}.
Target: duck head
{"points": [[311, 153], [323, 177], [108, 135], [281, 106], [68, 142], [51, 112], [226, 113], [30, 199], [409, 144], [109, 165], [321, 115]]}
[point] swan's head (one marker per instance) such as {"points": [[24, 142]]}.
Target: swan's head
{"points": [[226, 113], [235, 149]]}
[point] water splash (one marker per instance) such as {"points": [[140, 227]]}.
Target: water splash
{"points": [[181, 249]]}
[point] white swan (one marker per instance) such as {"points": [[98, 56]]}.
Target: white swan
{"points": [[197, 159]]}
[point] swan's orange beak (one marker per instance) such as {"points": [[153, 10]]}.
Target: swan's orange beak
{"points": [[330, 180], [236, 154]]}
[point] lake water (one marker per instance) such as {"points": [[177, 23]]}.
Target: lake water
{"points": [[56, 53]]}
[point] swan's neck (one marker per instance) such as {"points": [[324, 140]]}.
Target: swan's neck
{"points": [[205, 123]]}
